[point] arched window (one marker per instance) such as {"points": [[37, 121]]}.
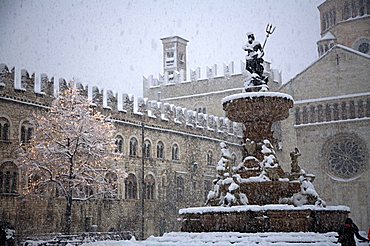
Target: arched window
{"points": [[179, 188], [119, 145], [4, 129], [26, 132], [149, 187], [8, 178], [346, 11], [361, 7], [297, 116], [160, 150], [133, 147], [147, 149], [175, 152], [209, 158], [131, 187]]}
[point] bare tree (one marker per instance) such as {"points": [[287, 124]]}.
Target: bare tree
{"points": [[72, 151]]}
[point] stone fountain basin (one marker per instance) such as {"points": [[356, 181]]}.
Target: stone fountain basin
{"points": [[266, 218], [257, 106]]}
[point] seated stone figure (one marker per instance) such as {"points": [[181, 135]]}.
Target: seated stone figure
{"points": [[306, 196]]}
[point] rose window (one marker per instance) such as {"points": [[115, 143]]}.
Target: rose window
{"points": [[346, 156]]}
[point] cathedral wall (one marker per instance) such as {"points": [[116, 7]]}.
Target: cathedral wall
{"points": [[337, 73], [350, 31], [351, 190]]}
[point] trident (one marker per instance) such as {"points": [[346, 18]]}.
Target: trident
{"points": [[269, 30]]}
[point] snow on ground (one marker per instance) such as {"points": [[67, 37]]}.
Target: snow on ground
{"points": [[232, 238]]}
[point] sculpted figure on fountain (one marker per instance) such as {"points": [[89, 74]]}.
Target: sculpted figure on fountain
{"points": [[254, 62]]}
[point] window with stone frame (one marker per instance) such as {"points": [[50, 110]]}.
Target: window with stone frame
{"points": [[360, 109], [4, 129], [343, 110], [180, 188], [345, 156], [361, 7], [297, 116], [305, 115], [8, 178], [147, 149], [119, 144], [133, 146], [170, 54], [354, 9], [175, 152], [131, 187], [346, 11], [209, 158], [320, 113], [328, 112], [149, 187], [352, 109], [26, 132], [160, 150], [336, 111]]}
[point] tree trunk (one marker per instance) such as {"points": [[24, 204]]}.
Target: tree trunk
{"points": [[68, 219], [69, 195]]}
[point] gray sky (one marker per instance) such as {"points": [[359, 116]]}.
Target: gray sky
{"points": [[112, 44]]}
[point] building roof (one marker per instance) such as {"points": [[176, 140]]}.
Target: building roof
{"points": [[328, 36], [335, 47], [173, 39]]}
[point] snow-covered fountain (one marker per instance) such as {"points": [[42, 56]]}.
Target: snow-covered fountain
{"points": [[257, 195]]}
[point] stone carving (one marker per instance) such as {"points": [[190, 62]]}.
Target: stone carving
{"points": [[306, 196], [250, 147], [254, 61], [294, 157], [226, 188]]}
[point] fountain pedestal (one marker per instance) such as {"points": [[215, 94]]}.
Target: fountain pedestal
{"points": [[267, 218], [261, 180], [257, 111]]}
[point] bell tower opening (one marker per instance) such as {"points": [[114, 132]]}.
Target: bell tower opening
{"points": [[174, 56]]}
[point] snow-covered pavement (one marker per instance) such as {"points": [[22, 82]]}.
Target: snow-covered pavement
{"points": [[232, 238]]}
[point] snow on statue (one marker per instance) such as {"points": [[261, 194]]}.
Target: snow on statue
{"points": [[71, 153], [254, 62], [226, 188]]}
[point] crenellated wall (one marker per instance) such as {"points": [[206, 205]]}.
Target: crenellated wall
{"points": [[204, 94], [166, 86], [18, 84], [196, 135]]}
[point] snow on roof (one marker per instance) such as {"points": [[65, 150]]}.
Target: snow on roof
{"points": [[250, 95], [328, 36], [315, 100], [256, 208], [353, 51], [337, 46]]}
